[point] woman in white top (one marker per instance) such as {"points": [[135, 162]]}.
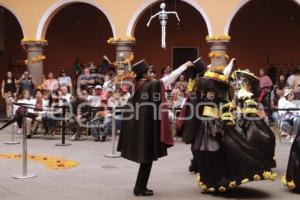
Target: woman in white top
{"points": [[24, 99], [290, 119], [65, 80]]}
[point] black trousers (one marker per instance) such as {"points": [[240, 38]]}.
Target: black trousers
{"points": [[143, 176]]}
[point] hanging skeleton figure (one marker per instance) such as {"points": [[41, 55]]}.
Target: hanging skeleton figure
{"points": [[163, 17]]}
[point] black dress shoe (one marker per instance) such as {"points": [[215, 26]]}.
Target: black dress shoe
{"points": [[149, 190], [97, 139], [146, 192], [192, 167], [28, 136], [103, 139]]}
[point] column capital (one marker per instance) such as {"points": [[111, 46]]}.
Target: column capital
{"points": [[129, 40], [218, 38], [33, 42], [124, 52], [218, 49]]}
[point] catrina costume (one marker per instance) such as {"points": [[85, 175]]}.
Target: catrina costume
{"points": [[292, 177], [224, 158], [193, 73], [249, 124]]}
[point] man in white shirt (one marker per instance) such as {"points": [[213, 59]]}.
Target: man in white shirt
{"points": [[35, 114], [65, 93]]}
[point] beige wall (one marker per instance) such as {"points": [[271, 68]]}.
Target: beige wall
{"points": [[119, 12], [123, 15]]}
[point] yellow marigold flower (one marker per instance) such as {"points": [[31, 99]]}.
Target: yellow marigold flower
{"points": [[283, 180], [110, 40], [198, 178], [232, 184], [273, 176], [222, 189], [245, 181], [291, 185], [267, 175], [256, 177], [203, 187], [130, 38], [218, 37], [199, 184]]}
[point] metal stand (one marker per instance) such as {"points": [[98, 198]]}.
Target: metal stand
{"points": [[63, 130], [113, 154], [12, 140], [24, 174]]}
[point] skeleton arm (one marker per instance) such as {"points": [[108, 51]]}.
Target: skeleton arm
{"points": [[152, 17], [174, 13]]}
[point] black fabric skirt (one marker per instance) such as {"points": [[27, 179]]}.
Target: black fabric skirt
{"points": [[292, 177], [225, 160], [259, 134]]}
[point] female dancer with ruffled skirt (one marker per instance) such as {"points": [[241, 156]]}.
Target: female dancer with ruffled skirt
{"points": [[224, 158]]}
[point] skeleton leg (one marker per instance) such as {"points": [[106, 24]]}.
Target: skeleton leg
{"points": [[163, 36]]}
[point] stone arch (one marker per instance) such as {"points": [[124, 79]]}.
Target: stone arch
{"points": [[56, 7], [236, 10], [16, 16]]}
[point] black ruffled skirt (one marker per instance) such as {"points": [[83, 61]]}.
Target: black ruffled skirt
{"points": [[225, 159], [259, 134], [292, 177]]}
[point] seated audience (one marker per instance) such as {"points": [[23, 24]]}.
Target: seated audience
{"points": [[290, 120], [51, 84], [65, 80]]}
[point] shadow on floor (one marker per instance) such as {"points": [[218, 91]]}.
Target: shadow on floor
{"points": [[245, 193]]}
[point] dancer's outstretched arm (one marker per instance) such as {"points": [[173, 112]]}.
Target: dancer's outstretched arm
{"points": [[171, 78]]}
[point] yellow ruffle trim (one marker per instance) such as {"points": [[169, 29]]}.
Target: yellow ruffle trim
{"points": [[256, 177], [289, 184], [266, 175], [232, 184]]}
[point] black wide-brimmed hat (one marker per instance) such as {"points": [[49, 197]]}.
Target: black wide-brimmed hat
{"points": [[140, 67], [250, 77], [200, 66], [239, 74], [198, 69], [215, 80]]}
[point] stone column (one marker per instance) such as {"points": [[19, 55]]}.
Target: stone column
{"points": [[35, 57], [124, 52], [218, 49], [2, 30]]}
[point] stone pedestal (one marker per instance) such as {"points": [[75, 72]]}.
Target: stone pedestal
{"points": [[35, 57], [123, 52], [218, 53]]}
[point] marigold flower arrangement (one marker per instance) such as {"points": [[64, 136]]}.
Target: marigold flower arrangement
{"points": [[218, 37], [131, 38], [51, 162], [34, 40], [216, 76]]}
